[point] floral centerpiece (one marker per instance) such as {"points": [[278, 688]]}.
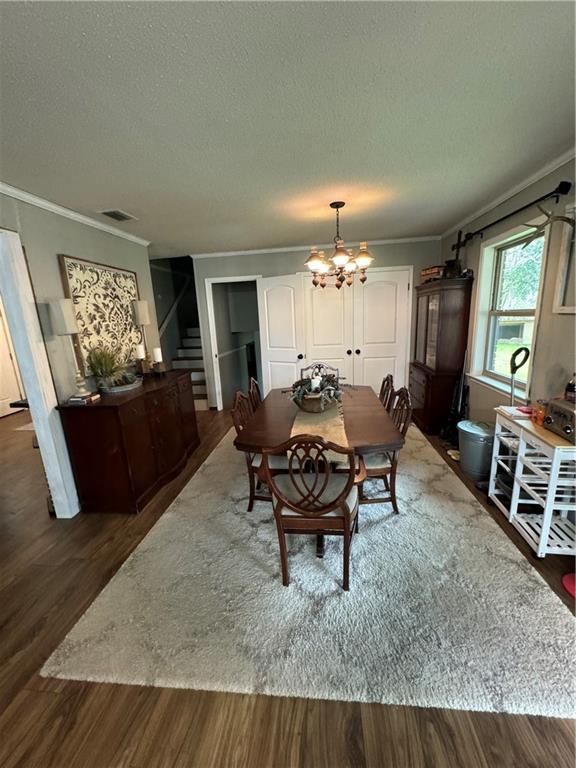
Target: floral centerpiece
{"points": [[318, 392]]}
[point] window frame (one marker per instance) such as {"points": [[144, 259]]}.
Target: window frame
{"points": [[494, 313], [481, 303]]}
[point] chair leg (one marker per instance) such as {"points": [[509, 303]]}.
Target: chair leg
{"points": [[356, 523], [283, 554], [252, 481], [386, 484], [320, 545], [393, 489], [345, 580]]}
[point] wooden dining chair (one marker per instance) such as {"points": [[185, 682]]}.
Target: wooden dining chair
{"points": [[311, 497], [384, 466], [241, 414], [386, 395], [254, 393]]}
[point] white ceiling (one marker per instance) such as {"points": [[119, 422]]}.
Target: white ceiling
{"points": [[228, 126]]}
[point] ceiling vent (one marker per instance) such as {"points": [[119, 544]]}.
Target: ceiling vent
{"points": [[118, 215]]}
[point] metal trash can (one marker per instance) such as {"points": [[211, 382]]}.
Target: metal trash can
{"points": [[475, 439]]}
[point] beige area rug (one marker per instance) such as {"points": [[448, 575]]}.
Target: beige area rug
{"points": [[443, 611]]}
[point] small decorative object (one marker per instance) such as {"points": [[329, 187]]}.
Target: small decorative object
{"points": [[109, 368], [102, 297], [158, 365], [453, 269], [318, 392], [64, 324], [432, 273], [143, 364], [344, 262]]}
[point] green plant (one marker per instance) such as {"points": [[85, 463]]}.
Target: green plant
{"points": [[107, 366], [328, 391]]}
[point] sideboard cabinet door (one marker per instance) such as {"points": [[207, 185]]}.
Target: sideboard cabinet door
{"points": [[188, 412]]}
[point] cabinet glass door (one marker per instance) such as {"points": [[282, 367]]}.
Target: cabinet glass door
{"points": [[432, 334], [422, 318]]}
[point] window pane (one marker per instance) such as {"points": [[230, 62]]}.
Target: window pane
{"points": [[519, 275], [507, 334]]}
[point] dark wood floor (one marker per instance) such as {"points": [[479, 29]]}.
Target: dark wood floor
{"points": [[51, 570]]}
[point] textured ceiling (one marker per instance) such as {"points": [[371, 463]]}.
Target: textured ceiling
{"points": [[227, 126]]}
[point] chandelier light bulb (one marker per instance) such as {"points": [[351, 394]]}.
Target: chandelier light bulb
{"points": [[364, 257], [340, 256], [314, 260]]}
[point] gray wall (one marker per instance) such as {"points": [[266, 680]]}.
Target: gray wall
{"points": [[45, 235], [554, 349], [419, 254], [232, 361]]}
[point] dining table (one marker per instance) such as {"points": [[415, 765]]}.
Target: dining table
{"points": [[368, 426]]}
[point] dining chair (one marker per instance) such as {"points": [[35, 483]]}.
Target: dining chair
{"points": [[386, 395], [254, 393], [384, 466], [242, 412], [311, 497]]}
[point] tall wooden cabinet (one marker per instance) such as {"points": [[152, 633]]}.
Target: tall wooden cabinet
{"points": [[125, 447], [443, 308]]}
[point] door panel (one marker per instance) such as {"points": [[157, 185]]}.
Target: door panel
{"points": [[10, 388], [281, 312], [329, 326], [381, 328]]}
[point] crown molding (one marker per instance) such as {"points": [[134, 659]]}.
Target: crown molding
{"points": [[550, 167], [59, 210], [303, 248]]}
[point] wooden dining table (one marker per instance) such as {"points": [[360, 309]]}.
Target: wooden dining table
{"points": [[369, 428]]}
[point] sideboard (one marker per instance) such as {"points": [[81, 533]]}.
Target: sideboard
{"points": [[125, 447]]}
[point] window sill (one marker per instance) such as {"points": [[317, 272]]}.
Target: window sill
{"points": [[498, 386]]}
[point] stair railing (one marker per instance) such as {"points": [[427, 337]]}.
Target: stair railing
{"points": [[174, 306]]}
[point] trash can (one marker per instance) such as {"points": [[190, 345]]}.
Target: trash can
{"points": [[475, 439]]}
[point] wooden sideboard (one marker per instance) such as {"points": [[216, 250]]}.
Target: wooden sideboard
{"points": [[125, 447], [443, 308]]}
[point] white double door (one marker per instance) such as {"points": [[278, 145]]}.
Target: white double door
{"points": [[363, 330]]}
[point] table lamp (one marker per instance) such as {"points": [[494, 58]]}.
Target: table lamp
{"points": [[64, 324], [142, 319]]}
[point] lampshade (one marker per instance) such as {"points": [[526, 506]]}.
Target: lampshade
{"points": [[351, 266], [63, 317], [314, 260], [340, 256], [141, 313], [364, 257]]}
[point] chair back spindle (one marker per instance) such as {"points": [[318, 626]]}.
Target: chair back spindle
{"points": [[254, 393], [386, 395], [402, 410]]}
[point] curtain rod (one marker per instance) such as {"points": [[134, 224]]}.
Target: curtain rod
{"points": [[563, 188]]}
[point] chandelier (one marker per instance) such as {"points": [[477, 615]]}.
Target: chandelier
{"points": [[344, 264]]}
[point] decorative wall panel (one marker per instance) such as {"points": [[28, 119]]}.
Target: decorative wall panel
{"points": [[102, 298]]}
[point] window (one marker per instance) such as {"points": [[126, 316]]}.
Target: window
{"points": [[513, 301]]}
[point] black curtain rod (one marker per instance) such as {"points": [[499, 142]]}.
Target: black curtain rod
{"points": [[562, 189]]}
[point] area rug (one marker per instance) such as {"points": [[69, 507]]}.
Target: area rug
{"points": [[443, 610]]}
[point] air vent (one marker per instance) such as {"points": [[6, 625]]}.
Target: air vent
{"points": [[118, 215]]}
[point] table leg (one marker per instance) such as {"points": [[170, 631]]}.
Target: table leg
{"points": [[319, 545]]}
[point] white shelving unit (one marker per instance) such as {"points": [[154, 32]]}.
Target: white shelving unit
{"points": [[532, 467]]}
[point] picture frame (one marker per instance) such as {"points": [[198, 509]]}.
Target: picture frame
{"points": [[565, 291], [102, 296]]}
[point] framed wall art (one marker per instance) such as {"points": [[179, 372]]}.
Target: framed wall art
{"points": [[102, 297]]}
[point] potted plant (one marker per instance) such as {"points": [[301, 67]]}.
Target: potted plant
{"points": [[109, 370]]}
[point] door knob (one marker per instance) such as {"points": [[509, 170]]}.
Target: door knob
{"points": [[300, 357], [348, 351], [357, 351]]}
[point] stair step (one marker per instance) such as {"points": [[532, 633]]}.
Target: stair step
{"points": [[190, 352], [192, 342], [197, 376], [193, 331], [201, 405], [190, 363]]}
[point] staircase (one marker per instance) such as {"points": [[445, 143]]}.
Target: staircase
{"points": [[189, 356]]}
